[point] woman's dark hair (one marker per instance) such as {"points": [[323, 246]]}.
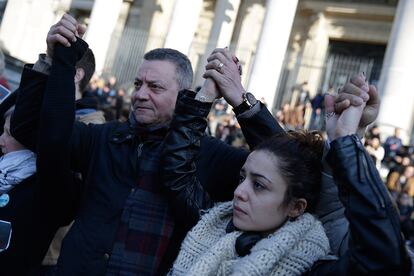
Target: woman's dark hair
{"points": [[299, 154]]}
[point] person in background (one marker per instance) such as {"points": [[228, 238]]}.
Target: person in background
{"points": [[17, 191], [33, 220], [376, 151], [392, 145], [318, 112], [373, 132], [403, 182], [3, 80], [119, 103], [405, 206]]}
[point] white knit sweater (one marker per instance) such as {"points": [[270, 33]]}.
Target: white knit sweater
{"points": [[209, 250]]}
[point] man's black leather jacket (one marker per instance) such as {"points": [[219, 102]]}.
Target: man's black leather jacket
{"points": [[375, 245]]}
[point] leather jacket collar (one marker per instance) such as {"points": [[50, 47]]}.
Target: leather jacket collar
{"points": [[129, 131]]}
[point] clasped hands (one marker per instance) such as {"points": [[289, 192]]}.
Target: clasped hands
{"points": [[350, 112], [223, 78], [353, 109]]}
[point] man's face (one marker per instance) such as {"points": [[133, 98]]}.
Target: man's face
{"points": [[156, 90]]}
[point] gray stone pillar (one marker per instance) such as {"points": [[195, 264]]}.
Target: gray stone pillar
{"points": [[225, 15], [396, 81], [271, 49], [183, 25], [103, 21], [25, 26]]}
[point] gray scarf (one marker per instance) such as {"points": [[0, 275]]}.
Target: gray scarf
{"points": [[15, 167]]}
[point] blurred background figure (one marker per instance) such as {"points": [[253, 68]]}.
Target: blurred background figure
{"points": [[3, 80]]}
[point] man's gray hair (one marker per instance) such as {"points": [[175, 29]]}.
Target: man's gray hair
{"points": [[182, 64]]}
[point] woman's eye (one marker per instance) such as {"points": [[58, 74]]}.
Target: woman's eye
{"points": [[258, 186], [241, 178]]}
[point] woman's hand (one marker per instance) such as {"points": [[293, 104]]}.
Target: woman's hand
{"points": [[208, 92], [351, 96], [224, 69], [347, 122]]}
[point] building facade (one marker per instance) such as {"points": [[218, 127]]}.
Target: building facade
{"points": [[280, 43]]}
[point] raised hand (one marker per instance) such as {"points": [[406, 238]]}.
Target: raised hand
{"points": [[65, 31], [344, 112], [208, 92], [355, 93], [224, 69]]}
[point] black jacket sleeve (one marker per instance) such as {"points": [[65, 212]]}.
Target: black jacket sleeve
{"points": [[259, 126], [375, 245], [57, 188], [182, 144], [24, 124]]}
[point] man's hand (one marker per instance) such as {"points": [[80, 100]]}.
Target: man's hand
{"points": [[64, 32], [355, 93], [224, 69]]}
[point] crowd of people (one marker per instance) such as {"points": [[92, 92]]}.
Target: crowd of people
{"points": [[395, 161], [155, 194], [109, 95]]}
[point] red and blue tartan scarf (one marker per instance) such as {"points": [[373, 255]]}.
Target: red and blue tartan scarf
{"points": [[147, 223]]}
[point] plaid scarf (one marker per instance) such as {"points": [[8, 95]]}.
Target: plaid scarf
{"points": [[146, 224]]}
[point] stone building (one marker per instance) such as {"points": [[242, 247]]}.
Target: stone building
{"points": [[280, 43]]}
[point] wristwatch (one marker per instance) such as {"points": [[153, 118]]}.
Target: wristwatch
{"points": [[248, 102]]}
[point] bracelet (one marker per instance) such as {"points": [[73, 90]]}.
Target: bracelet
{"points": [[204, 98]]}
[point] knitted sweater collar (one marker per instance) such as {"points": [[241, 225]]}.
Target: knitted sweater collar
{"points": [[209, 250]]}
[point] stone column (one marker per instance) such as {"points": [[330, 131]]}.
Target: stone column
{"points": [[396, 81], [271, 49], [314, 53], [225, 15], [183, 25], [159, 24], [247, 34], [103, 21], [25, 26]]}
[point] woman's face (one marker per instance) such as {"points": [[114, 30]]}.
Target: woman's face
{"points": [[258, 200], [7, 142]]}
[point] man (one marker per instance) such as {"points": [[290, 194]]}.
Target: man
{"points": [[124, 223]]}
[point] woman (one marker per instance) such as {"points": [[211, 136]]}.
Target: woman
{"points": [[266, 229], [17, 184], [266, 217]]}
